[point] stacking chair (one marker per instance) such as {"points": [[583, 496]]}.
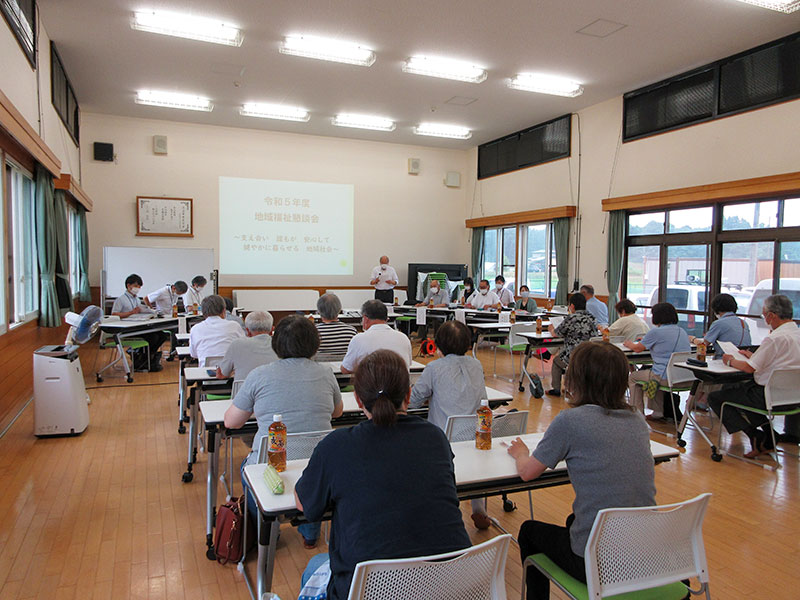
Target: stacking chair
{"points": [[461, 428], [782, 398], [475, 573], [227, 474], [110, 343], [515, 343], [678, 380], [630, 550], [210, 361]]}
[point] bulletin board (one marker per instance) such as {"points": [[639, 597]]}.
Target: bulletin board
{"points": [[169, 217]]}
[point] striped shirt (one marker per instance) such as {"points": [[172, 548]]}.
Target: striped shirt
{"points": [[334, 338]]}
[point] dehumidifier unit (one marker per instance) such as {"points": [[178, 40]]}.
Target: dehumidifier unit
{"points": [[60, 403]]}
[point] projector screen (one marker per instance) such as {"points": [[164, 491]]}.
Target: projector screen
{"points": [[270, 227]]}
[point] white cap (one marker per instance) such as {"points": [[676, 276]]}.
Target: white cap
{"points": [[276, 418], [485, 402]]}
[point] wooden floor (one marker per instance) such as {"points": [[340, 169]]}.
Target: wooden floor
{"points": [[105, 514]]}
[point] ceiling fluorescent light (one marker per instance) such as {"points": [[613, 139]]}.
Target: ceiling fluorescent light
{"points": [[786, 6], [364, 122], [274, 111], [442, 130], [189, 27], [444, 68], [325, 49], [546, 84], [173, 100]]}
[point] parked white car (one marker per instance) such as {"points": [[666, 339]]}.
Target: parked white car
{"points": [[789, 287]]}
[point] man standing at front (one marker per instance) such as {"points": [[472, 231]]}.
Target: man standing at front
{"points": [[384, 278]]}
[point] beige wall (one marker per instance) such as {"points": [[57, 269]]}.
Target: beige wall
{"points": [[754, 144], [27, 89], [410, 218]]}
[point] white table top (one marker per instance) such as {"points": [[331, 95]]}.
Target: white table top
{"points": [[471, 466], [336, 366], [182, 337], [714, 366], [115, 323], [200, 374], [545, 335], [182, 350]]}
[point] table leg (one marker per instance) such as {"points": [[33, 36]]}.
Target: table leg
{"points": [[128, 368], [188, 475], [211, 488], [181, 397], [266, 553]]}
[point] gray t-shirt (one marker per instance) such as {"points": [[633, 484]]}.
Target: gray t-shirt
{"points": [[303, 392], [608, 458], [246, 354], [452, 385]]}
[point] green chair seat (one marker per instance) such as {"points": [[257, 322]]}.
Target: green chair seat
{"points": [[218, 396], [135, 343], [405, 318], [348, 388], [514, 348], [577, 589], [765, 412]]}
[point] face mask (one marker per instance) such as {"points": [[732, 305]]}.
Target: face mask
{"points": [[434, 290], [525, 294], [198, 289], [383, 267], [499, 286], [484, 291], [468, 288], [135, 290]]}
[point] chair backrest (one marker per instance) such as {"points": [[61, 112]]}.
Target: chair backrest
{"points": [[526, 327], [237, 385], [476, 573], [678, 375], [783, 388], [461, 428], [638, 548], [212, 361], [298, 445]]}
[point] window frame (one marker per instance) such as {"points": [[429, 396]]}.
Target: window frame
{"points": [[15, 318], [16, 29], [69, 92]]}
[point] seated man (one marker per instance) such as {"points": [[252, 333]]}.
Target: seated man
{"points": [[163, 299], [435, 298], [214, 334], [230, 315], [334, 336], [779, 350], [505, 295], [194, 295], [483, 297], [377, 335], [129, 304], [578, 326], [245, 354], [596, 308]]}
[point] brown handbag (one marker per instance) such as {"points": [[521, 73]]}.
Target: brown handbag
{"points": [[228, 531]]}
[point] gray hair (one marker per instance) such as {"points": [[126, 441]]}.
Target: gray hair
{"points": [[213, 306], [374, 310], [258, 321], [780, 305], [329, 306]]}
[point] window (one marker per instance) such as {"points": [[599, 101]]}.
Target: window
{"points": [[21, 17], [63, 96], [24, 280], [74, 250], [748, 249], [533, 243], [500, 254]]}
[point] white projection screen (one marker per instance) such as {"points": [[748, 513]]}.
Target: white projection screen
{"points": [[271, 227]]}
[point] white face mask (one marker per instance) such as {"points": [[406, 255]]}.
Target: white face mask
{"points": [[434, 290], [135, 290], [383, 267], [198, 289], [499, 286], [484, 291], [525, 294]]}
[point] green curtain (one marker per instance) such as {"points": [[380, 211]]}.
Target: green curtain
{"points": [[616, 248], [561, 242], [84, 292], [49, 314], [477, 253], [63, 288]]}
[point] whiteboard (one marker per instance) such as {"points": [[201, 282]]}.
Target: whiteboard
{"points": [[283, 300], [156, 267]]}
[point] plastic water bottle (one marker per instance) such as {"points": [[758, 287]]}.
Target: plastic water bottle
{"points": [[277, 444], [483, 432], [538, 324]]}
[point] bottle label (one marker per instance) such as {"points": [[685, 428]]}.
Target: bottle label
{"points": [[277, 443], [485, 422]]}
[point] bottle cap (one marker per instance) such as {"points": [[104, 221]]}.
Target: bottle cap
{"points": [[276, 418], [485, 402]]}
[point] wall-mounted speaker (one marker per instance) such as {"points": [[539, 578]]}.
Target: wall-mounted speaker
{"points": [[452, 179], [103, 151], [414, 165], [159, 144]]}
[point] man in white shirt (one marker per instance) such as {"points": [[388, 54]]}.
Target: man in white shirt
{"points": [[129, 304], [483, 297], [163, 299], [504, 294], [384, 278], [194, 295], [377, 335], [596, 308], [214, 334], [246, 354], [779, 350]]}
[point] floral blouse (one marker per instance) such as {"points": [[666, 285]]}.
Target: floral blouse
{"points": [[576, 328]]}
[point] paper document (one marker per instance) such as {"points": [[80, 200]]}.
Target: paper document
{"points": [[140, 317], [504, 317], [556, 321], [421, 313], [730, 348], [461, 315]]}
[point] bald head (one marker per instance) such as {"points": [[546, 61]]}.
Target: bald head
{"points": [[384, 260]]}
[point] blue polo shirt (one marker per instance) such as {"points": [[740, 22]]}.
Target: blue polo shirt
{"points": [[662, 341], [728, 328], [598, 310]]}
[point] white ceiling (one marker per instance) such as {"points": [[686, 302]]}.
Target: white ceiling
{"points": [[107, 61]]}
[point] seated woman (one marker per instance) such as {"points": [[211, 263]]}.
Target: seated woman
{"points": [[303, 392], [664, 339], [334, 336], [453, 385], [606, 445], [525, 303], [389, 481], [629, 325], [577, 327]]}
